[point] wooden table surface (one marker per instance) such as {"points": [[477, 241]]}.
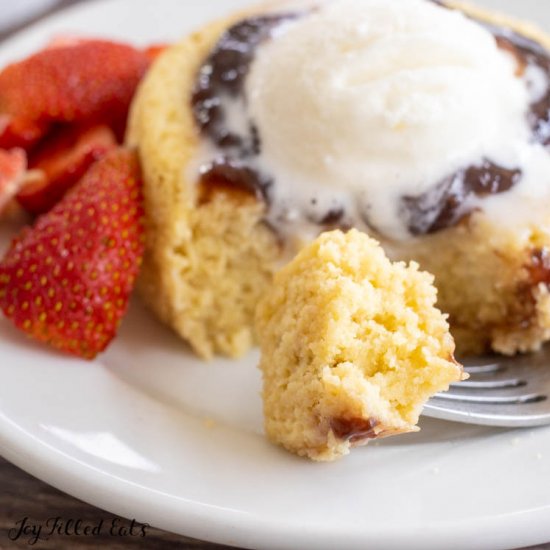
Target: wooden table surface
{"points": [[23, 496]]}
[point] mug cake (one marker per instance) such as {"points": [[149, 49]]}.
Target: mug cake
{"points": [[424, 124]]}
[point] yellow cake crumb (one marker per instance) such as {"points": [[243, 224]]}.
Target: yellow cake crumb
{"points": [[352, 347]]}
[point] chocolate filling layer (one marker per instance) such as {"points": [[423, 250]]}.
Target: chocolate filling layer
{"points": [[447, 203], [223, 77], [539, 267], [529, 53], [224, 74], [354, 430]]}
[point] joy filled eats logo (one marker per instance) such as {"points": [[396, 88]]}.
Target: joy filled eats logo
{"points": [[34, 532]]}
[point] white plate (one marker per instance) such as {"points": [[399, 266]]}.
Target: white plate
{"points": [[147, 431]]}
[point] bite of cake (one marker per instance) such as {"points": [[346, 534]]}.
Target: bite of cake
{"points": [[352, 347]]}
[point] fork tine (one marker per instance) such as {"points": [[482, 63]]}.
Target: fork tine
{"points": [[505, 416], [490, 384], [493, 390], [481, 369], [503, 391], [492, 399]]}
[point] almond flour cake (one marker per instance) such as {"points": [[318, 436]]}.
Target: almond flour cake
{"points": [[424, 125], [352, 347]]}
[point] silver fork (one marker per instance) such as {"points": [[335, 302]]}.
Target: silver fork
{"points": [[501, 391]]}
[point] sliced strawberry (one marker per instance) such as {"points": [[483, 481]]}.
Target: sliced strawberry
{"points": [[66, 281], [86, 81], [66, 39], [13, 165], [61, 161], [19, 132], [154, 50]]}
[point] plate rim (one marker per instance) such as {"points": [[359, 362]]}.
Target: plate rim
{"points": [[220, 525]]}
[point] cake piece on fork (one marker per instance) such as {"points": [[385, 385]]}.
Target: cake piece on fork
{"points": [[352, 347]]}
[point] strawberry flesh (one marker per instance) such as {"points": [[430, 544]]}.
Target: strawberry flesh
{"points": [[60, 162], [88, 81], [154, 50], [19, 132], [66, 281], [13, 164], [66, 39]]}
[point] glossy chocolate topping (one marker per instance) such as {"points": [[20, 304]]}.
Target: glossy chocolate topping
{"points": [[529, 53], [221, 81], [447, 203], [236, 175], [539, 267], [224, 74], [353, 430]]}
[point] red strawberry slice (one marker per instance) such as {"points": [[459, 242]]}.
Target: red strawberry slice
{"points": [[87, 81], [66, 39], [66, 281], [154, 50], [60, 162], [18, 132], [13, 165]]}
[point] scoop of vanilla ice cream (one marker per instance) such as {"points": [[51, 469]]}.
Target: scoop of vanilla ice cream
{"points": [[383, 98]]}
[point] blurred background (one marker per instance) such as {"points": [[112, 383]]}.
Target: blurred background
{"points": [[17, 14]]}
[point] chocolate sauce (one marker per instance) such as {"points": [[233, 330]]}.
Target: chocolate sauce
{"points": [[353, 430], [539, 268], [447, 203], [529, 53], [222, 78], [233, 176], [224, 74], [333, 217]]}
